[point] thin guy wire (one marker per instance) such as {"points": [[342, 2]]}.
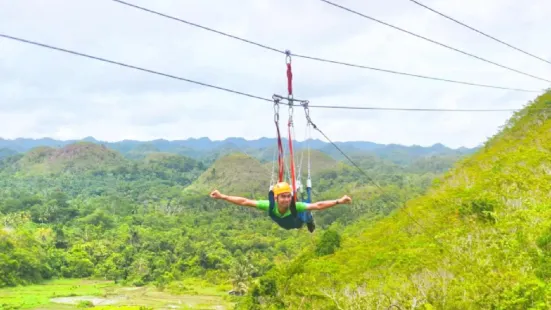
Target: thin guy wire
{"points": [[383, 192], [476, 30], [432, 41]]}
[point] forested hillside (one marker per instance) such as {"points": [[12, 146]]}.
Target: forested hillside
{"points": [[479, 239], [84, 210], [5, 152]]}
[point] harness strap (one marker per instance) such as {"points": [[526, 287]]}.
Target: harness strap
{"points": [[293, 177], [280, 155], [281, 168], [290, 126], [289, 73], [271, 199]]}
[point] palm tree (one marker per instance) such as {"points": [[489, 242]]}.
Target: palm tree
{"points": [[240, 274]]}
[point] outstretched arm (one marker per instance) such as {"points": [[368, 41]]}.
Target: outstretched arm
{"points": [[233, 199], [320, 205]]}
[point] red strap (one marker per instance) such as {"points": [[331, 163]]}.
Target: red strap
{"points": [[292, 164], [290, 89], [289, 79], [280, 153]]}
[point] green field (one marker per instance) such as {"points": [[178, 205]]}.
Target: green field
{"points": [[79, 294]]}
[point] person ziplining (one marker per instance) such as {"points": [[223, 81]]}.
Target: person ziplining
{"points": [[282, 205]]}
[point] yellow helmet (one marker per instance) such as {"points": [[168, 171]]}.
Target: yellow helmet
{"points": [[282, 187]]}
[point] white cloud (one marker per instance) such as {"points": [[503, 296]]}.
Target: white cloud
{"points": [[48, 93]]}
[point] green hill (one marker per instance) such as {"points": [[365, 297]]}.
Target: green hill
{"points": [[79, 156], [233, 174], [319, 162], [479, 239], [171, 161]]}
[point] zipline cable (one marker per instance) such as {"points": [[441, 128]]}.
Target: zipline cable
{"points": [[416, 75], [420, 109], [133, 67], [433, 41], [320, 59], [476, 30]]}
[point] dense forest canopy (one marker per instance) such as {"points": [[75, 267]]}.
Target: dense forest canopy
{"points": [[86, 210], [433, 229]]}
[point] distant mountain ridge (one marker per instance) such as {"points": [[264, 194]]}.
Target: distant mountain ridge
{"points": [[262, 148], [25, 144]]}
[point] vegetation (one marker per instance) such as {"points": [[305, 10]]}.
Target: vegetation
{"points": [[425, 230], [478, 239], [86, 211], [5, 152], [74, 294]]}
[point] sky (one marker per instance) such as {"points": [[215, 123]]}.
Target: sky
{"points": [[47, 93]]}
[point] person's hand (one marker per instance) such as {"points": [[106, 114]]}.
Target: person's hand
{"points": [[215, 194], [345, 199]]}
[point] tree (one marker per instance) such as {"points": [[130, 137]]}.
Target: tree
{"points": [[330, 241]]}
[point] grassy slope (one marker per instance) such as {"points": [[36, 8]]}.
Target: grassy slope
{"points": [[479, 238], [234, 174], [319, 162]]}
